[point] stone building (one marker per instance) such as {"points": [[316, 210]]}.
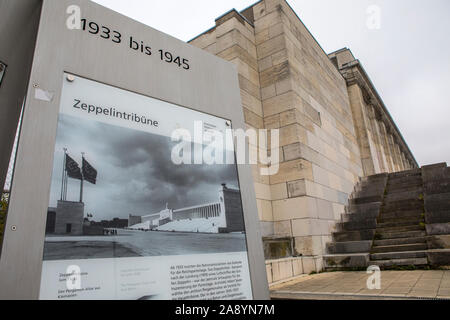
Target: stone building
{"points": [[224, 216], [334, 128]]}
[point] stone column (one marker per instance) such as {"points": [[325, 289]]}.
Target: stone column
{"points": [[385, 142], [376, 138], [395, 159], [362, 124]]}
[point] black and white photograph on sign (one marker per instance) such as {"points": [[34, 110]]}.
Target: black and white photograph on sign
{"points": [[2, 71], [116, 193]]}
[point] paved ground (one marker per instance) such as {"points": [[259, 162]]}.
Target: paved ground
{"points": [[428, 284], [138, 243]]}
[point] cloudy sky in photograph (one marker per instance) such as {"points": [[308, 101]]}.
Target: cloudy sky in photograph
{"points": [[135, 172], [407, 58]]}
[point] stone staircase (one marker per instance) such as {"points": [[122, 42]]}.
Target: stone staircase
{"points": [[397, 219], [400, 237], [355, 233]]}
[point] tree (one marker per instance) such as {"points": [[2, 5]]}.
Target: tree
{"points": [[3, 209]]}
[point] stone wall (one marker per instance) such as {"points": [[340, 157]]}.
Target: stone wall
{"points": [[436, 184], [381, 145], [289, 83]]}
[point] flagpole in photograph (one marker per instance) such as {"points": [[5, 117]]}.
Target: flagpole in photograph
{"points": [[63, 177], [82, 179]]}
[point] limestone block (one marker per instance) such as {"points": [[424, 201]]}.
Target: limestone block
{"points": [[265, 63], [295, 208], [275, 271], [269, 272], [281, 103], [319, 264], [233, 24], [262, 36], [277, 248], [234, 37], [268, 92], [283, 86], [246, 71], [292, 170], [279, 191], [204, 40], [325, 209], [274, 74], [252, 119], [264, 22], [263, 191], [281, 270], [308, 227], [280, 57], [308, 245], [309, 265], [282, 228], [236, 51], [271, 46], [320, 175], [297, 266], [272, 122], [264, 210], [296, 188], [257, 177], [291, 134], [251, 103], [267, 228]]}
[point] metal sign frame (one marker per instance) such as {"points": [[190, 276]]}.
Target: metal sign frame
{"points": [[126, 65]]}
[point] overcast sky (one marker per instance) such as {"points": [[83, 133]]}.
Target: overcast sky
{"points": [[135, 172], [408, 58]]}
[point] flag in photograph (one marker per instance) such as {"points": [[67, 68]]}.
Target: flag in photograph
{"points": [[72, 168], [89, 173]]}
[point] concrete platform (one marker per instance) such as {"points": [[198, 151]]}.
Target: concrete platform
{"points": [[395, 285]]}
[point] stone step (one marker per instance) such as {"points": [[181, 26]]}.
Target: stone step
{"points": [[370, 199], [357, 225], [411, 184], [417, 218], [400, 262], [405, 214], [404, 178], [362, 208], [399, 255], [399, 241], [398, 235], [402, 205], [349, 247], [369, 194], [400, 223], [339, 261], [400, 229], [404, 195], [405, 181], [406, 173], [359, 235], [376, 177], [346, 217], [400, 248]]}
